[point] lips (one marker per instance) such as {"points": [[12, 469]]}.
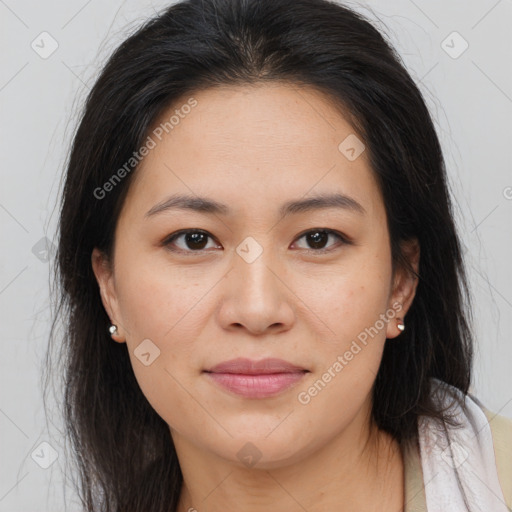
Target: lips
{"points": [[255, 379], [249, 367]]}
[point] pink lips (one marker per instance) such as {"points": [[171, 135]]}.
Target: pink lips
{"points": [[256, 379]]}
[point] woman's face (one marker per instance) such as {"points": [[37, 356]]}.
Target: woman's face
{"points": [[257, 278]]}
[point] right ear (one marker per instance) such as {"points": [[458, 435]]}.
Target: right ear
{"points": [[105, 277]]}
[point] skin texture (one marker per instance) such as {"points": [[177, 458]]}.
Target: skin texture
{"points": [[254, 148]]}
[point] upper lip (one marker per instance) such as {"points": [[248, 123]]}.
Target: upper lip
{"points": [[250, 367]]}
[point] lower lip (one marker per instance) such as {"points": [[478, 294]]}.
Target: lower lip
{"points": [[256, 386]]}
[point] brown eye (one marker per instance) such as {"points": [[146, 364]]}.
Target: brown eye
{"points": [[195, 240], [190, 240], [317, 239]]}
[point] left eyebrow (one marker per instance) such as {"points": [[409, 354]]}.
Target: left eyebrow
{"points": [[209, 206]]}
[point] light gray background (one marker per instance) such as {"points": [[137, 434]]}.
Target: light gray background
{"points": [[470, 98]]}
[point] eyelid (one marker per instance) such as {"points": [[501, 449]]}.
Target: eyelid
{"points": [[167, 240], [343, 239]]}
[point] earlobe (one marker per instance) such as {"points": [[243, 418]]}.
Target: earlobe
{"points": [[404, 287], [104, 277]]}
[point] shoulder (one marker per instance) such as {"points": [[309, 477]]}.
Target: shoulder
{"points": [[501, 429]]}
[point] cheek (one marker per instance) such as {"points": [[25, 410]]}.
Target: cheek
{"points": [[354, 299], [350, 353], [156, 300], [168, 307], [349, 359]]}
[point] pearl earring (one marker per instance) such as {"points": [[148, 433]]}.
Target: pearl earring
{"points": [[112, 329], [400, 326]]}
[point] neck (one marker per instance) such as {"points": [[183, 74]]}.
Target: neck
{"points": [[353, 471]]}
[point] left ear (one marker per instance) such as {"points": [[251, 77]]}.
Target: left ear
{"points": [[404, 285]]}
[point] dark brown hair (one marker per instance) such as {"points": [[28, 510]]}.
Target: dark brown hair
{"points": [[124, 453]]}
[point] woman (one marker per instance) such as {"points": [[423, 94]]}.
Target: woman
{"points": [[263, 285]]}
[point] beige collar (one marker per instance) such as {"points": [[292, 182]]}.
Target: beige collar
{"points": [[415, 500]]}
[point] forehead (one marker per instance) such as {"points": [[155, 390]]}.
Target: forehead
{"points": [[256, 143], [262, 120]]}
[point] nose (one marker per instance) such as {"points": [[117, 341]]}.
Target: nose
{"points": [[256, 297]]}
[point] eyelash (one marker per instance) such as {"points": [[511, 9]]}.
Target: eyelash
{"points": [[171, 238]]}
